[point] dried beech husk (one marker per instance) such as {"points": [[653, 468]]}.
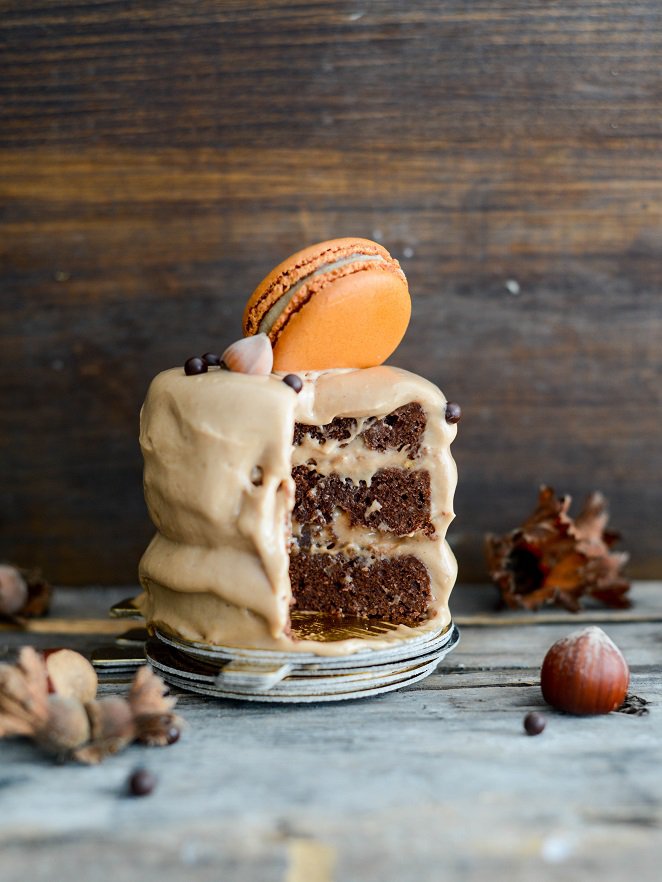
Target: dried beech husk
{"points": [[148, 693], [112, 728], [65, 723], [553, 559], [23, 694]]}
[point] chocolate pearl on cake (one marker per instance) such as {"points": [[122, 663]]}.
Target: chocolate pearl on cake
{"points": [[195, 365], [141, 782], [534, 723], [212, 359], [453, 412], [294, 382]]}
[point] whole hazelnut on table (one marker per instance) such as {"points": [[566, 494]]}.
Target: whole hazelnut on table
{"points": [[585, 673]]}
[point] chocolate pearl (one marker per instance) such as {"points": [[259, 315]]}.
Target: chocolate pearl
{"points": [[294, 382], [195, 365], [453, 412], [212, 359], [534, 723], [142, 782]]}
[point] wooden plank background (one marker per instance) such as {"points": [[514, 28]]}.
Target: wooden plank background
{"points": [[157, 159]]}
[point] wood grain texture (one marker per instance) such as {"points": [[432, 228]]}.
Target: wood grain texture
{"points": [[156, 160], [435, 782]]}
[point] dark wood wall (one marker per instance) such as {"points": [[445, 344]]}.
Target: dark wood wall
{"points": [[156, 159]]}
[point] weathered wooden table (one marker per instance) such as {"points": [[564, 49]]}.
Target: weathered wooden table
{"points": [[437, 781]]}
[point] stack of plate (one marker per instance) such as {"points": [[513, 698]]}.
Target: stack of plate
{"points": [[258, 675]]}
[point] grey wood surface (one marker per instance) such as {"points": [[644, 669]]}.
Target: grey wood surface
{"points": [[434, 782]]}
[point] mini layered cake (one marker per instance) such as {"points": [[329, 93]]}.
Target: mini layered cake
{"points": [[285, 507]]}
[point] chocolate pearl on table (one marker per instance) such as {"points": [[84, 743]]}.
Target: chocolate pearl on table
{"points": [[453, 412], [534, 723], [141, 782], [294, 382], [195, 365], [212, 359]]}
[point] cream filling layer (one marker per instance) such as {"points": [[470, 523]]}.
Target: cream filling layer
{"points": [[274, 313], [352, 459]]}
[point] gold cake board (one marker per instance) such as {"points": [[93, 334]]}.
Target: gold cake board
{"points": [[262, 675]]}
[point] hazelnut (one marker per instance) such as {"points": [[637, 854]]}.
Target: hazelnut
{"points": [[67, 725], [111, 721], [585, 673], [250, 355], [13, 590], [71, 675]]}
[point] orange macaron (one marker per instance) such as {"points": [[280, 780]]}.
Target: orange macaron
{"points": [[339, 304]]}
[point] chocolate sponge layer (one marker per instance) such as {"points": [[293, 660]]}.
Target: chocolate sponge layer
{"points": [[402, 429], [396, 589], [395, 501]]}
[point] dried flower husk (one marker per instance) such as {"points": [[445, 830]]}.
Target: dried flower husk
{"points": [[64, 723], [553, 559], [23, 694]]}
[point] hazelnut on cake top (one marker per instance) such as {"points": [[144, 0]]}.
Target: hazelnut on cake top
{"points": [[320, 495]]}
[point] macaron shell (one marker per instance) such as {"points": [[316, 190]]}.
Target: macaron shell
{"points": [[299, 264], [356, 321]]}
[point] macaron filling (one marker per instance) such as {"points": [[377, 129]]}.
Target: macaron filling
{"points": [[274, 313]]}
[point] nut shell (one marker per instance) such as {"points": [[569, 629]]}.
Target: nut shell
{"points": [[250, 355], [585, 673], [71, 675]]}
